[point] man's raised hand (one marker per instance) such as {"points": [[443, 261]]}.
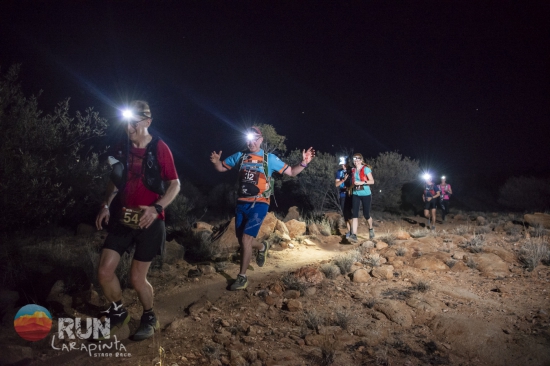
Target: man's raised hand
{"points": [[215, 157], [308, 155]]}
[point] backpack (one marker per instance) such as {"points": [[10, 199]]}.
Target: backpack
{"points": [[269, 180], [150, 169]]}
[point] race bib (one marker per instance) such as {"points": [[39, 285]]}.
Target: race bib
{"points": [[130, 217], [248, 183]]}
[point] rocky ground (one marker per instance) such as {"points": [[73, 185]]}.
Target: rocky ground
{"points": [[464, 294]]}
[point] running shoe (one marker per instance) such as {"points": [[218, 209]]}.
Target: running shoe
{"points": [[347, 235], [147, 327], [262, 255], [118, 317], [240, 283], [353, 238]]}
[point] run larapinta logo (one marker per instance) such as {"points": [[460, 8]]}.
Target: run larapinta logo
{"points": [[33, 322]]}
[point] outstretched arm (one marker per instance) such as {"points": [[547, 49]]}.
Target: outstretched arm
{"points": [[215, 158], [103, 215], [307, 156]]}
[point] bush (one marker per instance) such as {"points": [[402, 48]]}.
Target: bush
{"points": [[330, 270], [391, 171], [48, 163], [526, 194], [534, 252]]}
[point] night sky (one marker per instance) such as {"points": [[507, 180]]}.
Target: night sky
{"points": [[461, 86]]}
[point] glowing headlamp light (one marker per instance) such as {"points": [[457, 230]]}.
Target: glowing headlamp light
{"points": [[427, 176], [129, 114], [342, 160], [249, 136], [442, 177]]}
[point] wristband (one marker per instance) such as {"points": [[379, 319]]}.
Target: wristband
{"points": [[303, 165], [106, 206]]}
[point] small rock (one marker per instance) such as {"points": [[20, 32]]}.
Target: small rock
{"points": [[361, 276], [294, 305]]}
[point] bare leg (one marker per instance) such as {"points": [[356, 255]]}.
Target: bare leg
{"points": [[434, 214], [138, 278], [247, 242], [354, 223], [106, 275], [370, 222]]}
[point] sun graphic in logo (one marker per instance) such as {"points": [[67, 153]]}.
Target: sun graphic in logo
{"points": [[33, 322]]}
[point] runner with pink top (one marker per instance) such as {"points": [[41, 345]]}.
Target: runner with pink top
{"points": [[446, 192]]}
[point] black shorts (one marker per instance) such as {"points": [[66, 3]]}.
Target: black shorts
{"points": [[431, 205], [345, 205], [149, 242]]}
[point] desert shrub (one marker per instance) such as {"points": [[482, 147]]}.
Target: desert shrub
{"points": [[513, 238], [513, 230], [330, 270], [450, 263], [475, 244], [483, 229], [177, 213], [212, 350], [345, 261], [388, 239], [313, 319], [538, 230], [400, 252], [461, 230], [525, 194], [421, 286], [328, 347], [373, 260], [471, 263], [48, 162], [534, 252], [391, 171], [315, 185], [344, 318], [292, 282], [369, 303], [419, 233]]}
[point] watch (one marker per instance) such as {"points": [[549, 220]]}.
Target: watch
{"points": [[158, 208]]}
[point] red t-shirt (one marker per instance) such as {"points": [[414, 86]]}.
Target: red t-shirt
{"points": [[135, 194]]}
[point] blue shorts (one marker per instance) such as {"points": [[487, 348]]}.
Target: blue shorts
{"points": [[248, 219]]}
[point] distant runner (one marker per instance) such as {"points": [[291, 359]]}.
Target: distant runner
{"points": [[255, 168], [361, 180], [429, 196], [343, 183], [446, 192]]}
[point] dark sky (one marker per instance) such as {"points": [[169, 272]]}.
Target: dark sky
{"points": [[461, 86]]}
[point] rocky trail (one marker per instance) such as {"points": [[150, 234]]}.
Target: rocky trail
{"points": [[458, 295]]}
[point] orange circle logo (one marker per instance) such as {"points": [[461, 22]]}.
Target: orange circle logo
{"points": [[33, 322]]}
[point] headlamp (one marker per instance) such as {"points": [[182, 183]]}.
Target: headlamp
{"points": [[342, 160], [129, 114], [427, 176], [442, 177], [249, 136]]}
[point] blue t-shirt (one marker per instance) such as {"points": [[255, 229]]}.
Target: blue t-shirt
{"points": [[340, 174], [366, 188]]}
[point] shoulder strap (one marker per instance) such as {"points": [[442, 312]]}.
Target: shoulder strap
{"points": [[266, 166]]}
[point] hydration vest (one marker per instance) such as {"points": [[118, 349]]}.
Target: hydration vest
{"points": [[248, 184], [150, 169]]}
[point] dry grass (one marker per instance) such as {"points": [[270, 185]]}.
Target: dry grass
{"points": [[534, 252], [400, 252], [471, 263], [462, 229], [388, 239], [313, 320], [475, 244], [419, 233], [421, 286], [373, 260], [330, 271], [345, 261], [344, 318]]}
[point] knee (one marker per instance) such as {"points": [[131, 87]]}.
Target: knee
{"points": [[105, 274], [137, 279]]}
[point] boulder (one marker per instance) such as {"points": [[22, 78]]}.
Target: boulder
{"points": [[295, 228], [281, 227], [538, 219], [361, 276], [294, 305], [268, 225], [312, 229], [402, 235], [334, 218], [502, 253], [431, 263], [490, 265], [226, 239], [395, 311], [173, 252], [292, 214], [481, 221], [309, 275], [381, 245], [383, 272]]}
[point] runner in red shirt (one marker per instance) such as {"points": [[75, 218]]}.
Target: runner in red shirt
{"points": [[140, 221]]}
